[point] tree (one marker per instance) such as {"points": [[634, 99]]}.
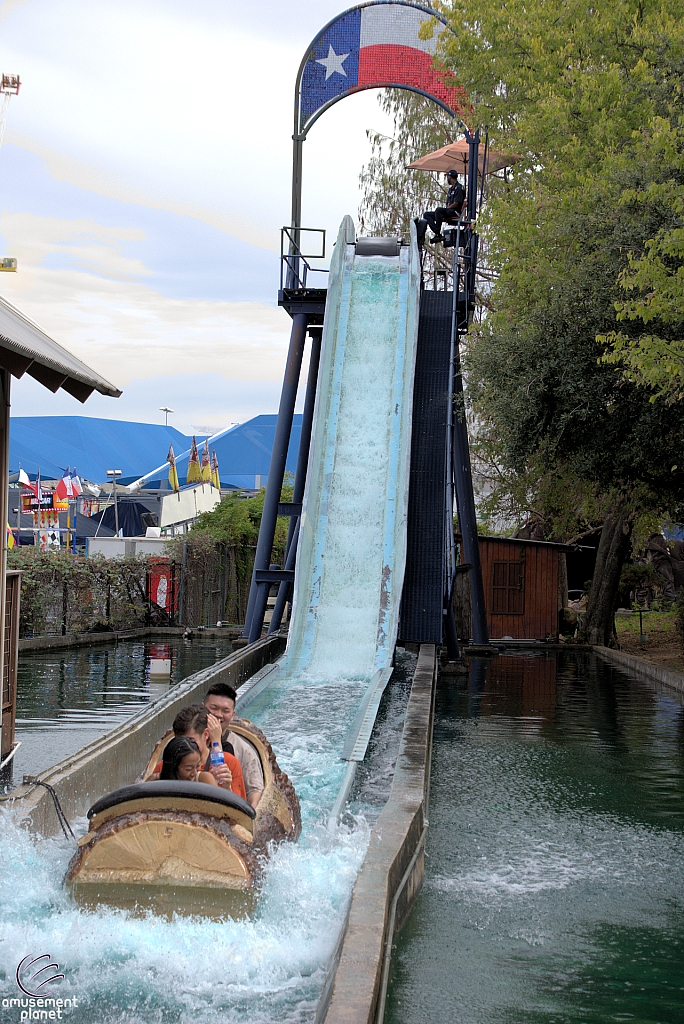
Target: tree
{"points": [[572, 88], [654, 277]]}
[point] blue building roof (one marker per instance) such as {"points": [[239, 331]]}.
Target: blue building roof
{"points": [[92, 446], [244, 452]]}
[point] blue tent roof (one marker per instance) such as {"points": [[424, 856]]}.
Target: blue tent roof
{"points": [[92, 446], [244, 452]]}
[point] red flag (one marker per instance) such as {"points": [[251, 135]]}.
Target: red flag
{"points": [[63, 489]]}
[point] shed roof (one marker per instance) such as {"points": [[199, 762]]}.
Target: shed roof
{"points": [[26, 348], [524, 540]]}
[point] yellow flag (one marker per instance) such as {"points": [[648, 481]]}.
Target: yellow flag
{"points": [[194, 474], [10, 538], [215, 478], [206, 463], [173, 472]]}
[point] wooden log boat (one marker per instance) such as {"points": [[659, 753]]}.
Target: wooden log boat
{"points": [[187, 835]]}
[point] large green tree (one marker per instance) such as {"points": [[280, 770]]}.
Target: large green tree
{"points": [[579, 92]]}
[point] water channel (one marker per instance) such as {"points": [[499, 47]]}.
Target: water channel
{"points": [[554, 875], [70, 696], [124, 968]]}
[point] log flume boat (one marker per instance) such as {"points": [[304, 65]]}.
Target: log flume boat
{"points": [[149, 838]]}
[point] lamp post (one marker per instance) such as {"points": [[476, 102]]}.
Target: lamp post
{"points": [[165, 409], [113, 474]]}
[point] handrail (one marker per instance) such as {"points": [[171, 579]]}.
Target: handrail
{"points": [[294, 259]]}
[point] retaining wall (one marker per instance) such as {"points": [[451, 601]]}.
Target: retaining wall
{"points": [[392, 871], [641, 667], [45, 643], [118, 757]]}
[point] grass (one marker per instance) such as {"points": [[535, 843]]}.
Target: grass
{"points": [[653, 622], [663, 646]]}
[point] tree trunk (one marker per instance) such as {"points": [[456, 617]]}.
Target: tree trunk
{"points": [[612, 551]]}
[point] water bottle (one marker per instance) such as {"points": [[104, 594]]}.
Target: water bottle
{"points": [[216, 756]]}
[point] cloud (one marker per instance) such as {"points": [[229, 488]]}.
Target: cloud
{"points": [[94, 179], [120, 326]]}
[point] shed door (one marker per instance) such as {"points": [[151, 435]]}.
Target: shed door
{"points": [[508, 587]]}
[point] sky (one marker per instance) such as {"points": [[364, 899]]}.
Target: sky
{"points": [[145, 174]]}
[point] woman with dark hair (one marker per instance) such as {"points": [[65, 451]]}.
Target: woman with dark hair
{"points": [[181, 762]]}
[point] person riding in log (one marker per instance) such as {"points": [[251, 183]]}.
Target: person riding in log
{"points": [[197, 724], [220, 702], [181, 762], [443, 214]]}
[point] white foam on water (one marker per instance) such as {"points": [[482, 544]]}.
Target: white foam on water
{"points": [[124, 968]]}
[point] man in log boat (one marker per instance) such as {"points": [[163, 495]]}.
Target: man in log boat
{"points": [[197, 724], [220, 702]]}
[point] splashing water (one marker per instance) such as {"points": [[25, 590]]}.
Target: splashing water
{"points": [[139, 970]]}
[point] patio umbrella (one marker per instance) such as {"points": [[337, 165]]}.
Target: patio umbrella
{"points": [[455, 157]]}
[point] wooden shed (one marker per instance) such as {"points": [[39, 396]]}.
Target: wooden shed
{"points": [[525, 584]]}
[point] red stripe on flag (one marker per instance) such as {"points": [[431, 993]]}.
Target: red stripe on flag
{"points": [[389, 64]]}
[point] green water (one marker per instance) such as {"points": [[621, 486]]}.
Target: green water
{"points": [[555, 871]]}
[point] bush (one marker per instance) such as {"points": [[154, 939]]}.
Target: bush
{"points": [[61, 592]]}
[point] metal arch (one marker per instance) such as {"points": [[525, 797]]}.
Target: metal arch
{"points": [[357, 7], [298, 137], [364, 88]]}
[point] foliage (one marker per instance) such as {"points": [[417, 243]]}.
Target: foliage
{"points": [[589, 96], [236, 519], [80, 594], [392, 194], [636, 576], [575, 89], [654, 276]]}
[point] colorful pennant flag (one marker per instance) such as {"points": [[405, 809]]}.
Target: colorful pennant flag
{"points": [[64, 490], [23, 478], [76, 486], [194, 474], [173, 472], [215, 479], [206, 463], [10, 538], [374, 46]]}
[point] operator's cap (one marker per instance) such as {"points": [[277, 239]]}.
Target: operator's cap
{"points": [[452, 174]]}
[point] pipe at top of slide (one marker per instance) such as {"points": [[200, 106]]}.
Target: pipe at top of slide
{"points": [[276, 470]]}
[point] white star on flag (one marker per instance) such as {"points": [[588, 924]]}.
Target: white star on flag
{"points": [[333, 63]]}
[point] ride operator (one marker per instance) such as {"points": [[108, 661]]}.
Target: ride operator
{"points": [[448, 214]]}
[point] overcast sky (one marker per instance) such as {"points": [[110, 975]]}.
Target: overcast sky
{"points": [[144, 177]]}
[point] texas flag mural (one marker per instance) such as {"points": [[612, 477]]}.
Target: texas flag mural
{"points": [[373, 46]]}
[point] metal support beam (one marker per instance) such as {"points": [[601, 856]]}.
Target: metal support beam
{"points": [[285, 589], [460, 448], [276, 472], [465, 499]]}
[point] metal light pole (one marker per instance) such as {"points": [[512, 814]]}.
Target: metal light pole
{"points": [[165, 409], [113, 474]]}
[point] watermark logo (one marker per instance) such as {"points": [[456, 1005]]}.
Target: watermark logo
{"points": [[37, 978], [34, 984]]}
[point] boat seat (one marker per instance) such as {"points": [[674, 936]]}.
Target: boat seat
{"points": [[173, 789]]}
